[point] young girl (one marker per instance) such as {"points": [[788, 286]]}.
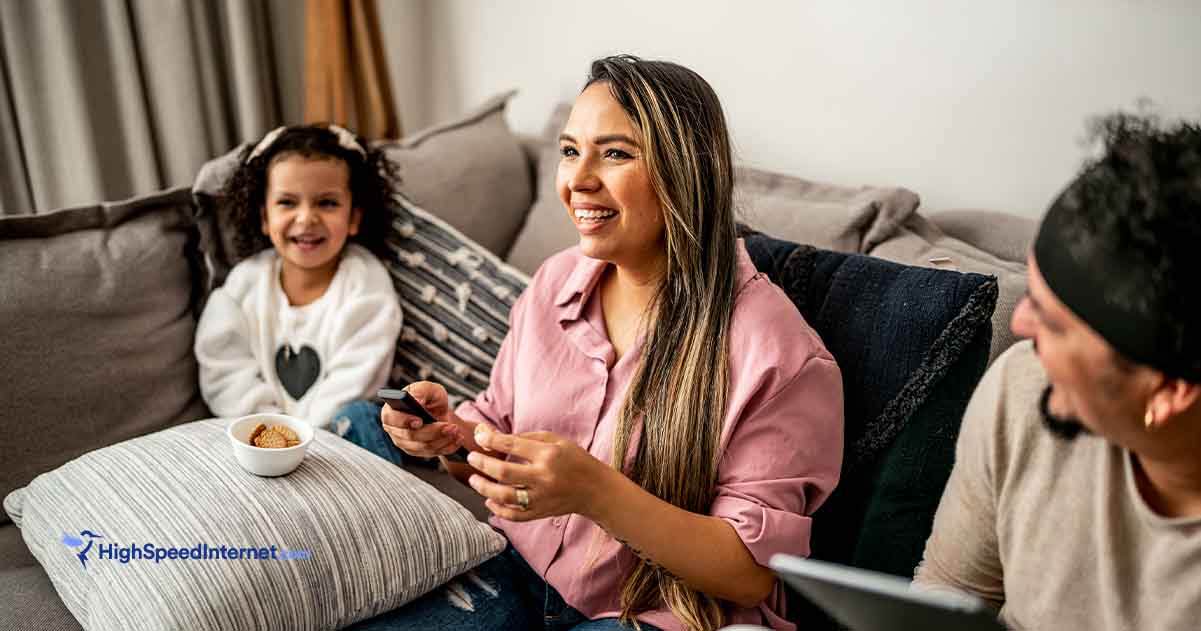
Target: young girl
{"points": [[309, 321]]}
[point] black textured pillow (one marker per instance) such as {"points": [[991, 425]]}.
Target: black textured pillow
{"points": [[911, 343]]}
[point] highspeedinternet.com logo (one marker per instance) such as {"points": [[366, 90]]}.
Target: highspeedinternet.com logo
{"points": [[88, 547]]}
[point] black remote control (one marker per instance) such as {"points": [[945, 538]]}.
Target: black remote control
{"points": [[402, 401]]}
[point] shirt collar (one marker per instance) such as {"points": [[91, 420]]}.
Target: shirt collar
{"points": [[579, 285]]}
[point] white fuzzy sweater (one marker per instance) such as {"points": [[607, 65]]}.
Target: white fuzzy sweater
{"points": [[259, 354]]}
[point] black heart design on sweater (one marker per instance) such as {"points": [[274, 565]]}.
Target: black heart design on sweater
{"points": [[297, 371]]}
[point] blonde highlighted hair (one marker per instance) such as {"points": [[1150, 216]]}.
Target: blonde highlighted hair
{"points": [[678, 394]]}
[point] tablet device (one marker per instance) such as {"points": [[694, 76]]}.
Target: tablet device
{"points": [[872, 601]]}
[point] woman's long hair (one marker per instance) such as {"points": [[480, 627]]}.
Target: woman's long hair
{"points": [[678, 393]]}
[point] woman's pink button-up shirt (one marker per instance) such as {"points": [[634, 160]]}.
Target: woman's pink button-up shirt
{"points": [[781, 443]]}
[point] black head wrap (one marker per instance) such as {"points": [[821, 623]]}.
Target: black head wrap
{"points": [[1105, 286]]}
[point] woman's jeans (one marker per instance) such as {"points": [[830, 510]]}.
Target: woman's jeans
{"points": [[503, 594]]}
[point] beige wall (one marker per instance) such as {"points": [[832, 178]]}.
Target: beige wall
{"points": [[406, 38], [970, 104]]}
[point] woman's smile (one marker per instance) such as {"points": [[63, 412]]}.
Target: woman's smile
{"points": [[591, 218]]}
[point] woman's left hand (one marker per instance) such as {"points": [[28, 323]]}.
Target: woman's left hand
{"points": [[557, 476]]}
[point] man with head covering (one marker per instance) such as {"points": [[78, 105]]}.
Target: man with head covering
{"points": [[1075, 501]]}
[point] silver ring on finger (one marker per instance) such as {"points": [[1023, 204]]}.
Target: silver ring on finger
{"points": [[523, 499]]}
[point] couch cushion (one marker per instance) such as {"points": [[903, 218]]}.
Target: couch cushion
{"points": [[30, 602], [371, 536], [13, 552], [919, 242], [97, 313], [455, 296], [472, 172], [911, 344], [843, 218]]}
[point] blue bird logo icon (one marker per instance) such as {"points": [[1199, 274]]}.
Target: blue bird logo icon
{"points": [[74, 542]]}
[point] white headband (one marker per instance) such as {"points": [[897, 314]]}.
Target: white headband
{"points": [[345, 140]]}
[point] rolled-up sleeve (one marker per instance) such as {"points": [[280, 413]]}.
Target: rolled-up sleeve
{"points": [[782, 461]]}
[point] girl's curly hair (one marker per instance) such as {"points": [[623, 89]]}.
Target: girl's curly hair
{"points": [[374, 180]]}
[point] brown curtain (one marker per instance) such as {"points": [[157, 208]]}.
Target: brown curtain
{"points": [[346, 73]]}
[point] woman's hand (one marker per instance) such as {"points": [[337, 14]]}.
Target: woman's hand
{"points": [[557, 476], [424, 441]]}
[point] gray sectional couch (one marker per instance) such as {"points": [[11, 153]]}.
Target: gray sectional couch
{"points": [[98, 304]]}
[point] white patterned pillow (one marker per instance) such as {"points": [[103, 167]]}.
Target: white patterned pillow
{"points": [[368, 536], [455, 295]]}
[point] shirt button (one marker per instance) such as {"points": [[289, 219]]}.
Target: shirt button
{"points": [[557, 521]]}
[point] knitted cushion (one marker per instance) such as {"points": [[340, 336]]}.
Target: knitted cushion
{"points": [[911, 343], [455, 295]]}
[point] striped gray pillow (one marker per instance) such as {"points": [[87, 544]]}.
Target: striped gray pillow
{"points": [[455, 295], [368, 536]]}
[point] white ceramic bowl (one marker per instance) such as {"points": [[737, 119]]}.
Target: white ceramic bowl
{"points": [[263, 461]]}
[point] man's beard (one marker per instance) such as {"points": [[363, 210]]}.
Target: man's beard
{"points": [[1060, 427]]}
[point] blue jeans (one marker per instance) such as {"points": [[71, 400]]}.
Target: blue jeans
{"points": [[503, 594], [359, 422]]}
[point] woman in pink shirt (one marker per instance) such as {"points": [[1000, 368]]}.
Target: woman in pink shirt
{"points": [[660, 419]]}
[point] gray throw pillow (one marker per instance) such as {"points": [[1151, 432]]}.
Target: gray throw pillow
{"points": [[96, 309], [355, 535], [472, 172], [548, 228], [1003, 235], [830, 216], [455, 295]]}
